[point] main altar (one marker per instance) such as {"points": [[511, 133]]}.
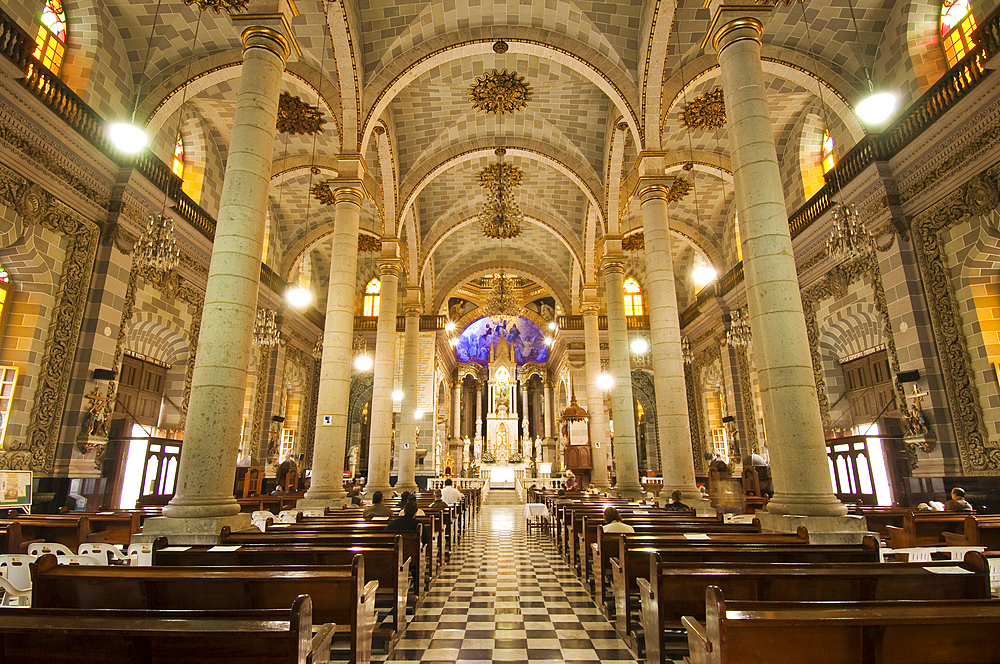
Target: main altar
{"points": [[503, 459]]}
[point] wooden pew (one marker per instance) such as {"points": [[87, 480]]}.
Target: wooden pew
{"points": [[67, 529], [878, 517], [113, 527], [978, 530], [413, 549], [339, 593], [10, 538], [74, 636], [387, 566], [894, 632], [925, 528], [678, 589]]}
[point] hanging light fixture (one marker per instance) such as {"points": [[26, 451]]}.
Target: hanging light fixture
{"points": [[265, 329], [738, 333], [877, 107], [501, 217], [362, 360], [848, 238], [502, 299], [156, 249], [686, 351]]}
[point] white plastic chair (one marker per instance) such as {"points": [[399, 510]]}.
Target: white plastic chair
{"points": [[920, 554], [13, 596], [140, 555], [81, 560], [287, 516], [103, 551], [313, 512], [259, 519], [41, 548], [15, 569]]}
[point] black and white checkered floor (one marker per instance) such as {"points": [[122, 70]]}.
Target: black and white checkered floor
{"points": [[507, 596]]}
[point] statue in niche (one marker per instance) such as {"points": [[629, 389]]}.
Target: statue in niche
{"points": [[95, 419]]}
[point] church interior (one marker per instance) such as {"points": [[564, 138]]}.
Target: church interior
{"points": [[729, 270]]}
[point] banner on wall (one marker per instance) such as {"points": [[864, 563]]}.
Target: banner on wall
{"points": [[15, 489]]}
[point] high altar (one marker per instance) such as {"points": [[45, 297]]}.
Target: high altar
{"points": [[501, 419]]}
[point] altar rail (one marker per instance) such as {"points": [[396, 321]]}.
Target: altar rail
{"points": [[459, 482]]}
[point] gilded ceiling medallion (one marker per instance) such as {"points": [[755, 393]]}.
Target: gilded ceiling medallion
{"points": [[500, 92], [500, 47], [705, 112], [297, 117], [491, 177], [230, 6], [634, 242], [679, 189], [369, 244]]}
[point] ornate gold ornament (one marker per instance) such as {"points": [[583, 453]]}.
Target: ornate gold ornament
{"points": [[369, 244], [500, 92], [679, 189], [493, 175], [297, 117], [707, 111], [230, 6], [502, 300], [500, 47], [634, 242], [321, 192], [501, 217]]}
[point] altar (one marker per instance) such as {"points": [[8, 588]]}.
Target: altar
{"points": [[502, 476]]}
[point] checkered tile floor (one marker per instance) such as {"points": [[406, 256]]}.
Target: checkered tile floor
{"points": [[507, 596]]}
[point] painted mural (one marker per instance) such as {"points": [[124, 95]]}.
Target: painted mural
{"points": [[525, 337]]}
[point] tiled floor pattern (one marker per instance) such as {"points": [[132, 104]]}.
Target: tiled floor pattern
{"points": [[507, 596]]}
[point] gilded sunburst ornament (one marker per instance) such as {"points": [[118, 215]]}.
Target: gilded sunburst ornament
{"points": [[707, 111], [297, 117], [500, 92], [230, 6]]}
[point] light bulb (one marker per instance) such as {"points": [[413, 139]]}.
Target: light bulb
{"points": [[605, 381], [298, 296], [450, 327], [418, 414], [703, 275], [127, 137], [363, 362], [876, 108], [552, 325], [397, 395], [640, 346]]}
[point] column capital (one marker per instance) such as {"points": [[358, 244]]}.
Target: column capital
{"points": [[590, 308], [733, 23], [648, 189], [612, 263], [414, 304], [390, 267], [268, 25]]}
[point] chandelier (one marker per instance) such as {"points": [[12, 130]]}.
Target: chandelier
{"points": [[265, 329], [738, 333], [502, 300], [686, 351], [500, 217], [849, 237], [156, 249]]}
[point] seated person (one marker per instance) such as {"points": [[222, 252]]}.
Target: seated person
{"points": [[403, 499], [377, 508], [408, 523], [675, 504], [450, 494], [355, 496], [958, 503], [613, 522], [277, 491], [437, 500]]}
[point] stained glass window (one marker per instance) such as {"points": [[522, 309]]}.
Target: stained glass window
{"points": [[828, 158], [957, 26], [633, 297], [50, 41], [372, 291], [178, 166]]}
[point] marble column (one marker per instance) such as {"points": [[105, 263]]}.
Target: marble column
{"points": [[600, 445], [525, 425], [456, 409], [380, 440], [788, 390], [479, 408], [626, 454], [546, 414], [327, 487], [407, 440], [207, 470], [673, 427]]}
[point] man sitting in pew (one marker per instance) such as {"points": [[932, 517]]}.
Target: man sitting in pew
{"points": [[958, 503], [377, 509], [407, 522], [613, 522], [675, 504], [438, 502]]}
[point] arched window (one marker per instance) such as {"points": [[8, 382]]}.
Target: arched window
{"points": [[372, 291], [828, 160], [50, 42], [957, 26], [633, 297], [178, 165]]}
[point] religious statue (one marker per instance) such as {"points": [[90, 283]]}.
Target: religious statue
{"points": [[916, 424], [479, 447], [95, 419], [353, 459]]}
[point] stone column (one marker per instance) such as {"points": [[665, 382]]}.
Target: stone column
{"points": [[456, 409], [407, 440], [546, 415], [327, 487], [479, 407], [525, 433], [672, 423], [788, 390], [600, 445], [380, 440], [626, 454], [204, 496]]}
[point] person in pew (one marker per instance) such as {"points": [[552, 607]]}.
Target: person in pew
{"points": [[377, 509], [958, 503], [277, 491], [355, 496], [437, 500], [451, 495], [407, 522], [405, 500], [675, 504], [613, 522]]}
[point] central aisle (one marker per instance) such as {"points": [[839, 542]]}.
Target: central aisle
{"points": [[507, 596]]}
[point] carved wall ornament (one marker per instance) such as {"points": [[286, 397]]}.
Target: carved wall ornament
{"points": [[954, 161], [679, 189], [38, 449], [321, 192], [230, 6], [634, 242], [750, 445], [297, 117], [976, 454], [707, 111], [369, 244], [500, 92]]}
